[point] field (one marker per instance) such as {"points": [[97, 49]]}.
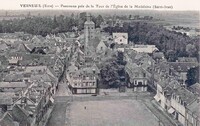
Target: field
{"points": [[109, 113]]}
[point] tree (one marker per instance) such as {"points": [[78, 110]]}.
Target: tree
{"points": [[112, 45], [109, 74], [99, 20], [192, 76], [190, 49], [113, 70]]}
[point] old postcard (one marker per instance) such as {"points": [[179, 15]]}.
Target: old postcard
{"points": [[99, 63]]}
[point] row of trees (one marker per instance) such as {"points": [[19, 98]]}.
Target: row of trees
{"points": [[112, 70], [173, 44], [44, 25]]}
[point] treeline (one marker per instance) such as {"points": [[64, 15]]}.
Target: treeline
{"points": [[44, 25], [173, 44]]}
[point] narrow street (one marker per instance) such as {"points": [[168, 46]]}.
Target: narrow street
{"points": [[58, 116]]}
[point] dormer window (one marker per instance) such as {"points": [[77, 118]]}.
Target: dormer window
{"points": [[177, 98]]}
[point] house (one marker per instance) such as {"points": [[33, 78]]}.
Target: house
{"points": [[181, 100], [181, 69], [32, 105], [5, 102], [83, 81], [137, 77], [46, 78], [120, 38], [192, 114], [164, 89]]}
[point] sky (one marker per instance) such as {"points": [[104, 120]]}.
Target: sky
{"points": [[176, 4]]}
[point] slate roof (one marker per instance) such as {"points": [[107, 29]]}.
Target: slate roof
{"points": [[182, 66], [12, 85], [195, 88], [187, 59], [6, 100], [94, 42], [132, 69], [185, 95], [42, 77], [158, 55], [7, 120], [72, 68], [170, 86], [21, 115], [195, 109]]}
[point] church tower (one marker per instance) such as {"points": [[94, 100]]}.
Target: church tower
{"points": [[89, 30]]}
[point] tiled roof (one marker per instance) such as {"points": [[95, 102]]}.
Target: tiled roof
{"points": [[14, 77]]}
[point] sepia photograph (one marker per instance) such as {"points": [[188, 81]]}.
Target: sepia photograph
{"points": [[99, 63]]}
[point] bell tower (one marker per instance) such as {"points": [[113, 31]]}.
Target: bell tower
{"points": [[89, 31]]}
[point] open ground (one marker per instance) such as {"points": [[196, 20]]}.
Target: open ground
{"points": [[109, 113]]}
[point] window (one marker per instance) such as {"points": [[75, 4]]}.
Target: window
{"points": [[140, 83], [135, 82], [136, 74], [101, 48], [144, 74]]}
